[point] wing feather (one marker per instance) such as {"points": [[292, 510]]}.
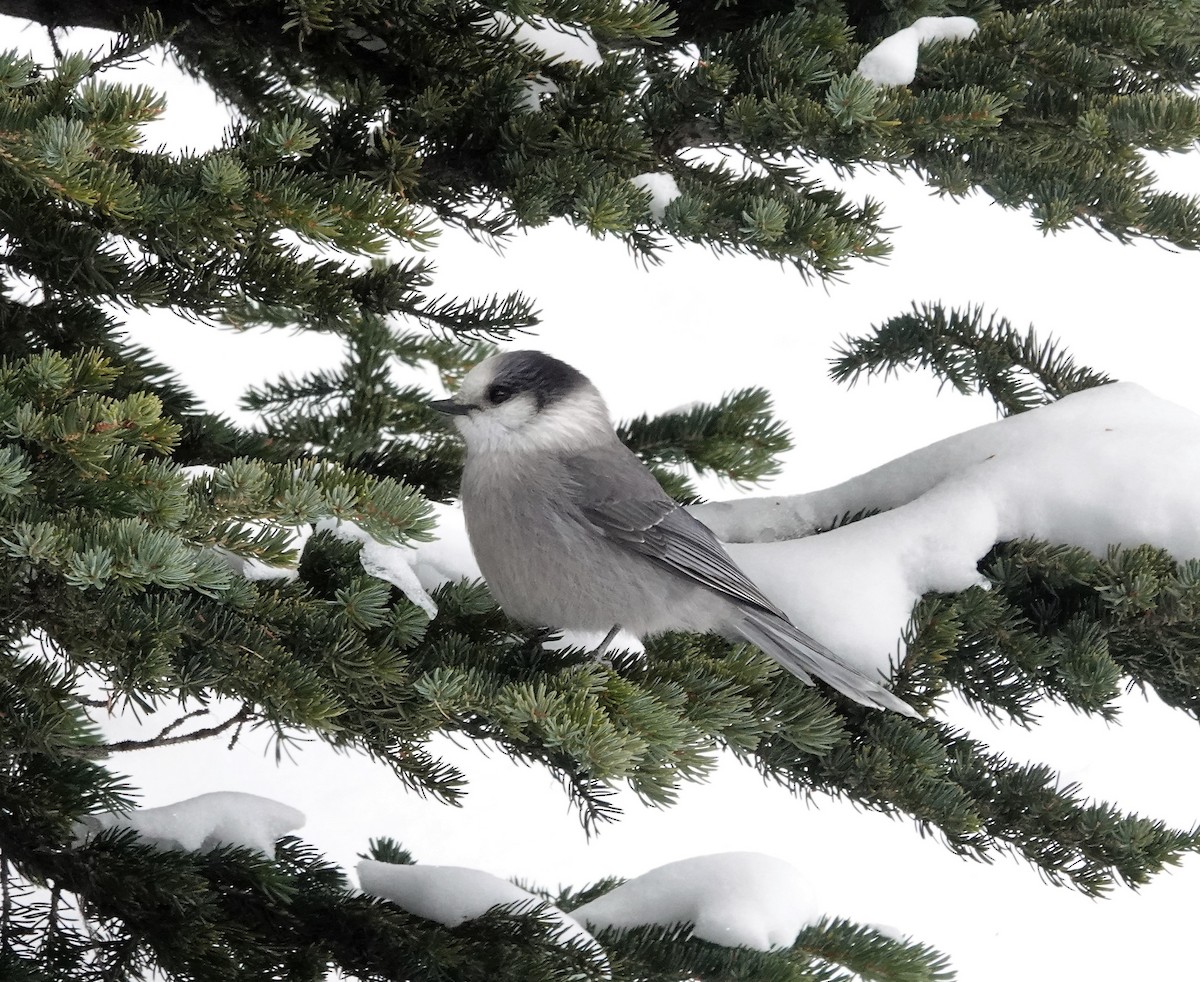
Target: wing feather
{"points": [[626, 505]]}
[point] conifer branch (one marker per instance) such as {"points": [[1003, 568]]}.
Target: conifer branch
{"points": [[1016, 370], [360, 120]]}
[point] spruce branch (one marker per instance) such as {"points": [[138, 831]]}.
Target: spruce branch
{"points": [[143, 33], [738, 438], [1015, 369]]}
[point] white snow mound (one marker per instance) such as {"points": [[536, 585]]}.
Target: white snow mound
{"points": [[736, 899], [1109, 465], [203, 823], [451, 895], [662, 189], [893, 61]]}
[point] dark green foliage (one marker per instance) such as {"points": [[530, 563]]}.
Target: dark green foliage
{"points": [[362, 416], [737, 438], [1047, 109], [1016, 370]]}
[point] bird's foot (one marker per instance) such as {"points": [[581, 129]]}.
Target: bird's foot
{"points": [[599, 654]]}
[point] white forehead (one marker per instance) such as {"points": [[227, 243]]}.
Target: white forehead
{"points": [[475, 383]]}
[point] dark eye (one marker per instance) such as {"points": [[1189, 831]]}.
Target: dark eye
{"points": [[500, 393]]}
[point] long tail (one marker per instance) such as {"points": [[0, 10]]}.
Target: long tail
{"points": [[804, 658]]}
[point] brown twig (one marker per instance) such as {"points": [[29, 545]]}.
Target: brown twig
{"points": [[164, 740]]}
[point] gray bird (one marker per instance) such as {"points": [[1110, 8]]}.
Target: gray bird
{"points": [[572, 531]]}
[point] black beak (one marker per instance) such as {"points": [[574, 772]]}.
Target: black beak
{"points": [[450, 407]]}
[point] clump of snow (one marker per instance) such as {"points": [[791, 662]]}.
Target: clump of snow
{"points": [[685, 58], [451, 895], [1109, 465], [893, 61], [945, 28], [559, 42], [891, 932], [736, 899], [203, 823], [391, 563], [662, 189]]}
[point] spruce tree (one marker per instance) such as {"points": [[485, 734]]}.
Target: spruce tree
{"points": [[128, 510]]}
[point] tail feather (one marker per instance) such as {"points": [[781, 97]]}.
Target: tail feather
{"points": [[805, 658]]}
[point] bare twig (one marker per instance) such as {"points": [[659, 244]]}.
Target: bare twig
{"points": [[166, 730], [237, 732], [163, 740], [52, 918]]}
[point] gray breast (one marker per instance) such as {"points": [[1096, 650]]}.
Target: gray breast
{"points": [[547, 565]]}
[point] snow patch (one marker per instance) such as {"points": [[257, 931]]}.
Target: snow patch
{"points": [[394, 564], [736, 899], [448, 558], [451, 895], [204, 823], [1110, 465], [193, 472], [892, 932], [662, 190], [893, 61]]}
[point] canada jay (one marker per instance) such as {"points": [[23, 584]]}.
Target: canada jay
{"points": [[572, 531]]}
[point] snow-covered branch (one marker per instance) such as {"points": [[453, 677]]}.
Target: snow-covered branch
{"points": [[1110, 465], [205, 822]]}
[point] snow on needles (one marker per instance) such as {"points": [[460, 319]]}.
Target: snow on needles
{"points": [[735, 899], [893, 61], [204, 823], [451, 895], [387, 562], [1109, 465]]}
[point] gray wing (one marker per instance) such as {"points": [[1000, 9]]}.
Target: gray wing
{"points": [[623, 501]]}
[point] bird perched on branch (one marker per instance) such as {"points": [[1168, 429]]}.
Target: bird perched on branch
{"points": [[571, 530]]}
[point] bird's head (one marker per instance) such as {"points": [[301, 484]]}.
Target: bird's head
{"points": [[527, 401]]}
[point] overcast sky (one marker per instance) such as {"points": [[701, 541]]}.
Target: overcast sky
{"points": [[692, 329]]}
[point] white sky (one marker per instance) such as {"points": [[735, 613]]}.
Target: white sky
{"points": [[693, 329]]}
